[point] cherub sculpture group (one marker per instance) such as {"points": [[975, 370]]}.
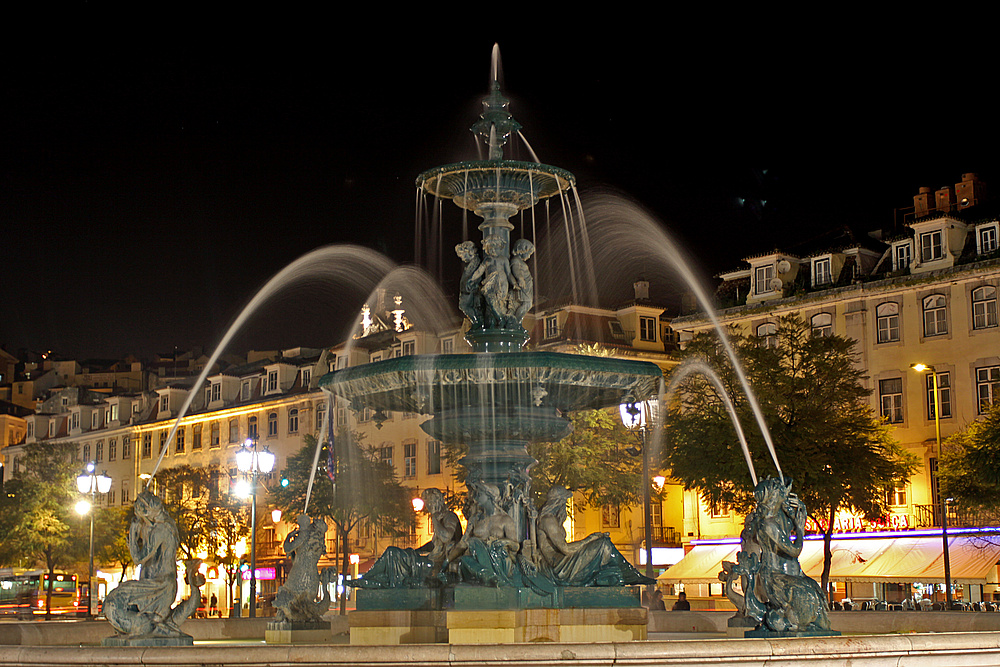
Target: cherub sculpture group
{"points": [[495, 292]]}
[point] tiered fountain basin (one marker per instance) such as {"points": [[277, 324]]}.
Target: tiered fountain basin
{"points": [[472, 184]]}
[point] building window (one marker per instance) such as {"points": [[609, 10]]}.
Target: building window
{"points": [[306, 377], [341, 361], [245, 391], [75, 421], [147, 445], [822, 325], [215, 442], [887, 322], [930, 246], [272, 381], [385, 454], [897, 496], [551, 327], [126, 446], [448, 346], [196, 439], [112, 449], [31, 429], [987, 387], [86, 452], [935, 315], [125, 496], [179, 441], [111, 497], [293, 421], [987, 239], [822, 273], [902, 257], [944, 394], [95, 417], [410, 458], [433, 457], [52, 428], [767, 333], [114, 412], [234, 429], [320, 414], [164, 403], [611, 516], [647, 328], [216, 391], [409, 348], [763, 275], [99, 451], [341, 416], [984, 307], [890, 394], [163, 441], [272, 424], [251, 428]]}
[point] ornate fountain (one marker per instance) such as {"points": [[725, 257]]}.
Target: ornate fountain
{"points": [[513, 556]]}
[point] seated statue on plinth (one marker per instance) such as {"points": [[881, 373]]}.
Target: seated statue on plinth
{"points": [[592, 561], [141, 608]]}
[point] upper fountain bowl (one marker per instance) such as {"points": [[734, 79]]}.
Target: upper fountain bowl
{"points": [[472, 184]]}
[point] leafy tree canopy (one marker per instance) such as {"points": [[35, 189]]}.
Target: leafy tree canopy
{"points": [[828, 439], [970, 464], [600, 459]]}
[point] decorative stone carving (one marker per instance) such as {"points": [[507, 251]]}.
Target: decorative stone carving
{"points": [[296, 600], [140, 609], [776, 593], [592, 561]]}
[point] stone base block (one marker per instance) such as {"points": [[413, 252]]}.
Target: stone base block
{"points": [[147, 640], [764, 633], [738, 626], [291, 633], [373, 628], [546, 625]]}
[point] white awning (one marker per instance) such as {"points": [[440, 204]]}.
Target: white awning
{"points": [[887, 560]]}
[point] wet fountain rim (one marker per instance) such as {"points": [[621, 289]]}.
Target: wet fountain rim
{"points": [[562, 178], [556, 372]]}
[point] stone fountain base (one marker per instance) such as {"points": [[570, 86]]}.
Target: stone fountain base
{"points": [[148, 640], [285, 632], [484, 615]]}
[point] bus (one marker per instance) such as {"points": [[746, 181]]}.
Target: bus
{"points": [[23, 592]]}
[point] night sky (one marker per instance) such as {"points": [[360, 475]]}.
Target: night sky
{"points": [[151, 180]]}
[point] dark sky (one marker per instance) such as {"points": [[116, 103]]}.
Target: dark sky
{"points": [[152, 178]]}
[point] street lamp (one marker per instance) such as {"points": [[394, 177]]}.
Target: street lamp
{"points": [[249, 460], [90, 482], [634, 418], [922, 368]]}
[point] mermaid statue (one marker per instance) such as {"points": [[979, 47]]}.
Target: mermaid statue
{"points": [[140, 609], [777, 595]]}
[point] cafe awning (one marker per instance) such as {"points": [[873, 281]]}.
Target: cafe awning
{"points": [[880, 559]]}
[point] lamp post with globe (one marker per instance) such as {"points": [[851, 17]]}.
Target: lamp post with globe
{"points": [[89, 481], [250, 461], [634, 418]]}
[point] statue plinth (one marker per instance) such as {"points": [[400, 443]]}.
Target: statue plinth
{"points": [[148, 640]]}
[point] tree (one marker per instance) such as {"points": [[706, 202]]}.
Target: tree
{"points": [[111, 526], [593, 460], [208, 520], [366, 490], [969, 469], [36, 518], [827, 438]]}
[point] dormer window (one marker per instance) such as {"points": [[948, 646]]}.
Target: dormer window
{"points": [[822, 272], [987, 239], [164, 403], [930, 246], [408, 349], [647, 328], [763, 275], [272, 381], [901, 257], [306, 376], [216, 391], [551, 327], [75, 421], [245, 391]]}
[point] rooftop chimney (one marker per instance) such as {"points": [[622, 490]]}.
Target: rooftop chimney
{"points": [[922, 203], [641, 289], [970, 191]]}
